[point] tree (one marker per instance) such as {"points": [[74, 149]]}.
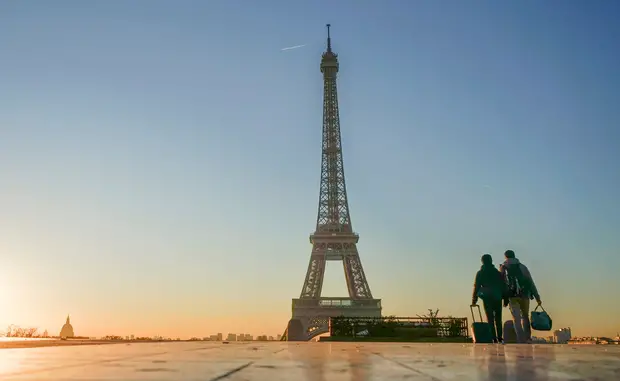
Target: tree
{"points": [[432, 318], [31, 332], [15, 331]]}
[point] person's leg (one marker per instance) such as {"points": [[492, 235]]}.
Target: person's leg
{"points": [[515, 310], [498, 320], [524, 305], [489, 311]]}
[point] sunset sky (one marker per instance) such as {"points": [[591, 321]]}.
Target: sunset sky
{"points": [[160, 160]]}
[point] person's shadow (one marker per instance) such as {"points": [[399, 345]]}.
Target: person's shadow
{"points": [[496, 363], [532, 362], [491, 362], [360, 365], [317, 361], [312, 362]]}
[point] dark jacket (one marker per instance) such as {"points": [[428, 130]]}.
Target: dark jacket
{"points": [[489, 283], [532, 291]]}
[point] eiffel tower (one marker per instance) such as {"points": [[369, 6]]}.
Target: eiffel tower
{"points": [[333, 239]]}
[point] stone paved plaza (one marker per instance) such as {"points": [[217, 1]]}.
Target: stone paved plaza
{"points": [[311, 361]]}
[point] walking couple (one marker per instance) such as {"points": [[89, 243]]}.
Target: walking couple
{"points": [[512, 285]]}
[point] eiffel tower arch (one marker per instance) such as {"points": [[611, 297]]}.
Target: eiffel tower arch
{"points": [[333, 238]]}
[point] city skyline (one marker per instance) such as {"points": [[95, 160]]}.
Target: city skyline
{"points": [[16, 331], [160, 165], [558, 336]]}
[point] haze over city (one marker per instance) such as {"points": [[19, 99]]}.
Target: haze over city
{"points": [[160, 161]]}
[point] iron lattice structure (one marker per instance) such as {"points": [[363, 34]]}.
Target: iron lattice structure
{"points": [[333, 238]]}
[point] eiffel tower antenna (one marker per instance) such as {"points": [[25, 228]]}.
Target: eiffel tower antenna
{"points": [[329, 39], [333, 238]]}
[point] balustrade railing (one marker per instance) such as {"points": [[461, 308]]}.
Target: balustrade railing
{"points": [[338, 303], [412, 327]]}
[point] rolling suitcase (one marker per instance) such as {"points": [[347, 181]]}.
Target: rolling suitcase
{"points": [[510, 335], [481, 331]]}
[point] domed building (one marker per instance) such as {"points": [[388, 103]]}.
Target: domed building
{"points": [[67, 330]]}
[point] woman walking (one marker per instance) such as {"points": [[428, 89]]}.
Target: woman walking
{"points": [[491, 288]]}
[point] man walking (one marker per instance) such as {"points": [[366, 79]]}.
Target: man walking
{"points": [[521, 289], [491, 288]]}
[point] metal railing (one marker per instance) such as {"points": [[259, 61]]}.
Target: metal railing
{"points": [[416, 327], [338, 303]]}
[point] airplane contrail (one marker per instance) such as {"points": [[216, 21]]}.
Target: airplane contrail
{"points": [[293, 47]]}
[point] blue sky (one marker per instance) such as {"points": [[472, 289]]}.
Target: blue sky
{"points": [[159, 160]]}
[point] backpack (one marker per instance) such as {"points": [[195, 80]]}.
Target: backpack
{"points": [[518, 284], [492, 285]]}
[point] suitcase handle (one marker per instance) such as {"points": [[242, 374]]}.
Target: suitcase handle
{"points": [[472, 312]]}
